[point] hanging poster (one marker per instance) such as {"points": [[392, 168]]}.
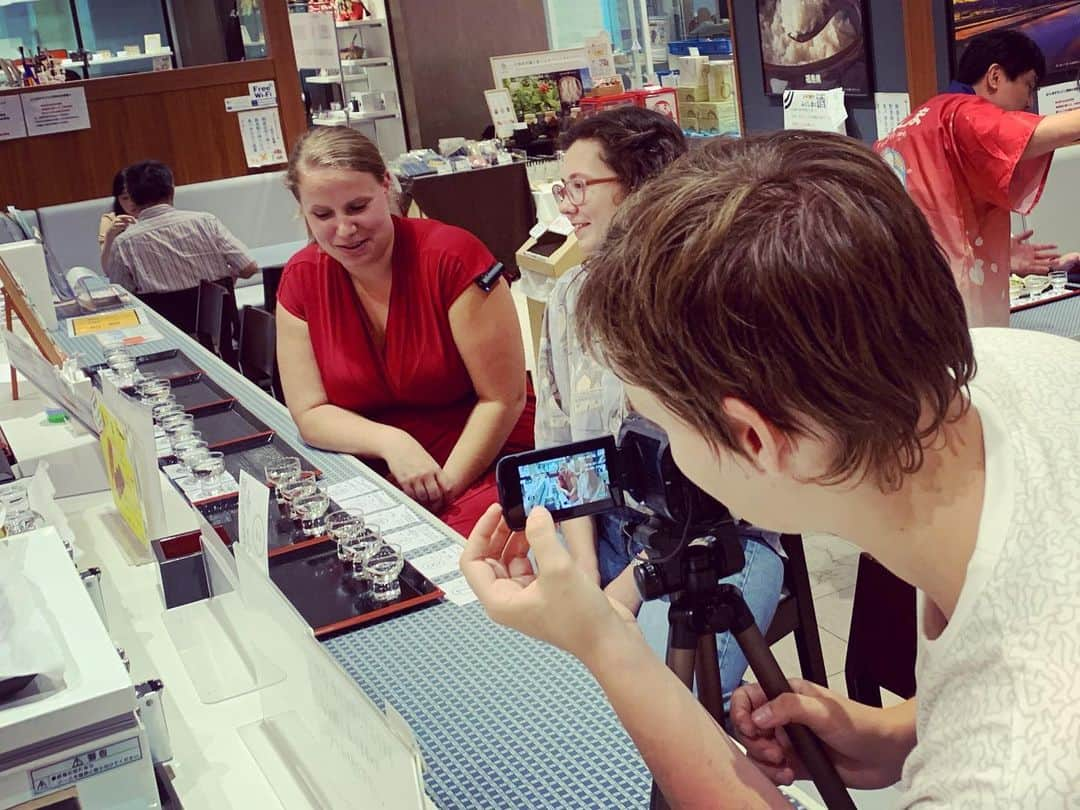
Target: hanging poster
{"points": [[543, 81], [314, 41], [814, 45], [261, 133], [1053, 25], [52, 111], [12, 123]]}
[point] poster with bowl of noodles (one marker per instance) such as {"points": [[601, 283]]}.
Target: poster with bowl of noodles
{"points": [[814, 45]]}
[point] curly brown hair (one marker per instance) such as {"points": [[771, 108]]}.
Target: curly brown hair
{"points": [[793, 272]]}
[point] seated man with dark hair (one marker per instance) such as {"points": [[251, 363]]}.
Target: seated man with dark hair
{"points": [[167, 252], [780, 307]]}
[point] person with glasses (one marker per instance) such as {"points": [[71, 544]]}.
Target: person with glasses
{"points": [[608, 156], [972, 155]]}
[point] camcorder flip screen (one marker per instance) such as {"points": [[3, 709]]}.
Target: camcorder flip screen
{"points": [[569, 481]]}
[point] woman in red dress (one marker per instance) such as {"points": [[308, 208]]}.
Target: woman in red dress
{"points": [[388, 349]]}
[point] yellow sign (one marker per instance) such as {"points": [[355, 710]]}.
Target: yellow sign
{"points": [[121, 471], [106, 322]]}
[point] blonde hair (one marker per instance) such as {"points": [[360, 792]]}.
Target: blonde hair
{"points": [[333, 148]]}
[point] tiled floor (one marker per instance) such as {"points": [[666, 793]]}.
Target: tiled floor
{"points": [[832, 564]]}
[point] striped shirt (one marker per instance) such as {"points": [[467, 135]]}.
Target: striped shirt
{"points": [[169, 250]]}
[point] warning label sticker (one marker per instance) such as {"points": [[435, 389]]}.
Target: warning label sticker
{"points": [[84, 765]]}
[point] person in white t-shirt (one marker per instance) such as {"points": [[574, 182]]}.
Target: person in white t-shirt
{"points": [[780, 307]]}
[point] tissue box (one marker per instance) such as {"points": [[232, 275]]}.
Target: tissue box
{"points": [[692, 95]]}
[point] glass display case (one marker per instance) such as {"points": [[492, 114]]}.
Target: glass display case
{"points": [[97, 38], [571, 21]]}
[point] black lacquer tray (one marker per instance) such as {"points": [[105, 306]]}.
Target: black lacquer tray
{"points": [[321, 588]]}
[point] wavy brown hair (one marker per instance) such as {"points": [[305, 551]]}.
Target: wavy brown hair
{"points": [[793, 272]]}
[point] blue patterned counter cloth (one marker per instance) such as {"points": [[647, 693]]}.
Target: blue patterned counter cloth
{"points": [[503, 721], [1057, 318]]}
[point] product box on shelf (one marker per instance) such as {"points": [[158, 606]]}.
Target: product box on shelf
{"points": [[688, 117], [692, 95], [694, 71], [591, 104], [661, 99], [721, 80], [717, 117]]}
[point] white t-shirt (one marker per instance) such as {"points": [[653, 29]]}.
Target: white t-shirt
{"points": [[999, 690]]}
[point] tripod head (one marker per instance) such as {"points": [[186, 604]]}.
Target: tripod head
{"points": [[694, 567]]}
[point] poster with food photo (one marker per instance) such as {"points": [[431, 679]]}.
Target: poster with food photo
{"points": [[814, 45]]}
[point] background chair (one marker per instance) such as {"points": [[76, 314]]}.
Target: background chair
{"points": [[215, 320], [882, 642], [258, 350], [795, 613]]}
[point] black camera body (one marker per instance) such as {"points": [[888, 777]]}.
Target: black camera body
{"points": [[635, 475]]}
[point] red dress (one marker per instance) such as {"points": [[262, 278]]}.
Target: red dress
{"points": [[418, 382]]}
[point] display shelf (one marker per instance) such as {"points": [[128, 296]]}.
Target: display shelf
{"points": [[343, 120], [359, 23], [128, 57], [375, 72], [374, 61]]}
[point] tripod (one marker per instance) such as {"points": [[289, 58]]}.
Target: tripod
{"points": [[701, 609]]}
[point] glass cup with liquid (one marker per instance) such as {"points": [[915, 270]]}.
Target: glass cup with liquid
{"points": [[358, 548], [298, 488], [279, 471], [384, 569], [1058, 279], [167, 407], [207, 472], [190, 450], [179, 427], [342, 524], [312, 511]]}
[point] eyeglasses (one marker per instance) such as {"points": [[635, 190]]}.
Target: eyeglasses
{"points": [[573, 191]]}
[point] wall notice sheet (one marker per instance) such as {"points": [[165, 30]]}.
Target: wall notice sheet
{"points": [[55, 111], [12, 123], [889, 110], [1059, 98], [821, 110], [261, 133]]}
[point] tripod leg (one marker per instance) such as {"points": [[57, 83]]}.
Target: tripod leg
{"points": [[681, 662], [809, 747], [709, 690]]}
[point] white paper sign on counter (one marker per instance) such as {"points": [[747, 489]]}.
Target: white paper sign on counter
{"points": [[252, 517]]}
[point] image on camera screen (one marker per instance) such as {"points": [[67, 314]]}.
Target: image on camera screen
{"points": [[567, 482]]}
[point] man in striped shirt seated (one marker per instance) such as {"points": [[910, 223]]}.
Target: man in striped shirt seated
{"points": [[167, 252]]}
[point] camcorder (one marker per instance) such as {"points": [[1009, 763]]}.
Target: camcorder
{"points": [[633, 477]]}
